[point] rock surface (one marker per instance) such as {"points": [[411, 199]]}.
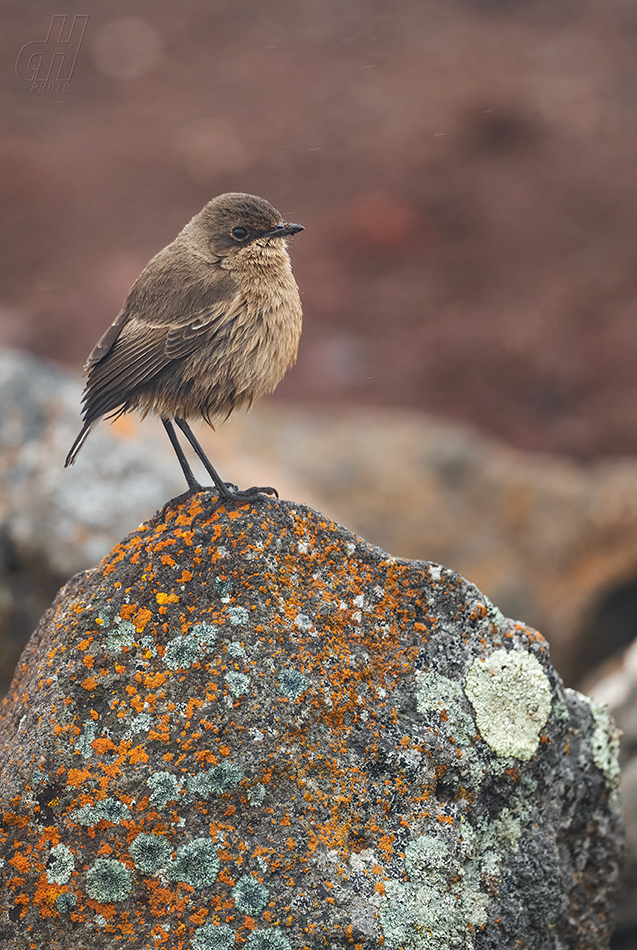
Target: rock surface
{"points": [[255, 727], [551, 541], [618, 690]]}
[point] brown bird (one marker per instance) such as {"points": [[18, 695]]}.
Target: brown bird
{"points": [[211, 324]]}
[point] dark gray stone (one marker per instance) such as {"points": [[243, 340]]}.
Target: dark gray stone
{"points": [[332, 747]]}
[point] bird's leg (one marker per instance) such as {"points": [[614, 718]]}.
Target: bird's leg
{"points": [[193, 484], [227, 491]]}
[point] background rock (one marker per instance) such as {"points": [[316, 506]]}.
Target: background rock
{"points": [[257, 726]]}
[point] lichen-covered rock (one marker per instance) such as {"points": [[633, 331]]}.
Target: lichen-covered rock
{"points": [[255, 729]]}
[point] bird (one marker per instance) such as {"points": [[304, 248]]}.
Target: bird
{"points": [[211, 324]]}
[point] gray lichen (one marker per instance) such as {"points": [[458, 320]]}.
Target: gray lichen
{"points": [[250, 896], [216, 781], [605, 743], [211, 937], [60, 865], [120, 635], [238, 616], [267, 940], [511, 696], [292, 683], [441, 903], [238, 683], [205, 634], [150, 853], [165, 788], [181, 653], [108, 881], [108, 809], [196, 863], [66, 901]]}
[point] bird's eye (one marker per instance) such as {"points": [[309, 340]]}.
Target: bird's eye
{"points": [[239, 234]]}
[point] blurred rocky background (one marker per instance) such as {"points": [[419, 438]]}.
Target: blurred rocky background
{"points": [[466, 388]]}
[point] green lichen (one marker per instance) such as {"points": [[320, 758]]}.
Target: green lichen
{"points": [[441, 699], [216, 781], [235, 648], [141, 723], [66, 901], [223, 588], [441, 903], [238, 683], [303, 622], [605, 743], [108, 881], [211, 937], [494, 613], [511, 696], [181, 653], [292, 683], [120, 635], [83, 744], [250, 896], [205, 634], [108, 809], [196, 863], [267, 940], [238, 616], [256, 794], [165, 788], [150, 853], [60, 865]]}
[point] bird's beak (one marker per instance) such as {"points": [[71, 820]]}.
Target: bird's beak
{"points": [[285, 230]]}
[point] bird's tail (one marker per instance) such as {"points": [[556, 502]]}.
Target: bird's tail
{"points": [[79, 442]]}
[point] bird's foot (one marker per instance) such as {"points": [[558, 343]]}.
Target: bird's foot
{"points": [[232, 497], [175, 502]]}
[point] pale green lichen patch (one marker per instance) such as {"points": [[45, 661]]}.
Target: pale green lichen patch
{"points": [[256, 794], [60, 865], [442, 699], [165, 788], [108, 809], [238, 683], [141, 723], [292, 683], [196, 863], [66, 901], [440, 904], [108, 881], [267, 940], [605, 743], [120, 635], [205, 634], [211, 937], [216, 781], [236, 648], [150, 853], [181, 653], [250, 896], [238, 616], [84, 743], [511, 697]]}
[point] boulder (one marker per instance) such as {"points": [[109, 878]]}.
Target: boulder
{"points": [[254, 727], [617, 688]]}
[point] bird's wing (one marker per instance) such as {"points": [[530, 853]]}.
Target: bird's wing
{"points": [[140, 351]]}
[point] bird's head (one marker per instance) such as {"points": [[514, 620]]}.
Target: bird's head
{"points": [[233, 222]]}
